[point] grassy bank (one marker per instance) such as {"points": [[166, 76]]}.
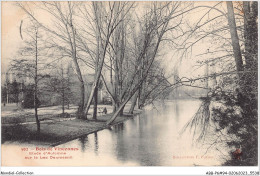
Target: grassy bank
{"points": [[57, 132], [10, 114]]}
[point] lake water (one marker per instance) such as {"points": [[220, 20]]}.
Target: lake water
{"points": [[152, 138]]}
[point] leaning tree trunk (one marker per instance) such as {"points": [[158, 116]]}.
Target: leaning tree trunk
{"points": [[138, 85], [118, 111], [103, 48], [98, 75], [145, 73], [95, 84], [121, 112]]}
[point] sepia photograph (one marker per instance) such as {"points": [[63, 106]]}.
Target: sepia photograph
{"points": [[129, 83]]}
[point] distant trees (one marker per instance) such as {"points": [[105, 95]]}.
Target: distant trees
{"points": [[4, 94], [28, 97], [59, 83], [10, 92]]}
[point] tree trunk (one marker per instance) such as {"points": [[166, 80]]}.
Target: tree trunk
{"points": [[95, 102], [141, 96], [251, 47], [36, 110], [68, 87], [63, 103], [114, 106], [36, 84], [235, 39], [134, 101], [63, 92], [68, 105], [122, 111], [250, 34], [81, 103], [80, 113], [72, 41]]}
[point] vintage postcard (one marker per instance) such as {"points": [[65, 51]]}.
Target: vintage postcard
{"points": [[129, 83]]}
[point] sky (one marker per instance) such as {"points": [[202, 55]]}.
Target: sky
{"points": [[11, 18], [11, 40]]}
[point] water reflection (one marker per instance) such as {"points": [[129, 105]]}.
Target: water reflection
{"points": [[96, 142], [150, 139], [83, 142], [177, 111], [118, 128]]}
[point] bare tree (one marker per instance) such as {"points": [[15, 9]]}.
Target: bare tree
{"points": [[156, 22], [29, 62], [59, 83], [106, 23], [65, 33]]}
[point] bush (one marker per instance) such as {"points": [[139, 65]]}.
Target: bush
{"points": [[239, 117]]}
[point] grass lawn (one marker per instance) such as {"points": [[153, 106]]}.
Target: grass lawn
{"points": [[52, 132]]}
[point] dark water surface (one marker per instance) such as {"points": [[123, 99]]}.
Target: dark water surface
{"points": [[152, 138]]}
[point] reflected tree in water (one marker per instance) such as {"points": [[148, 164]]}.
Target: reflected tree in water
{"points": [[83, 142]]}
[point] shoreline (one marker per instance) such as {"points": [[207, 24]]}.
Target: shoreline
{"points": [[128, 117], [59, 132]]}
